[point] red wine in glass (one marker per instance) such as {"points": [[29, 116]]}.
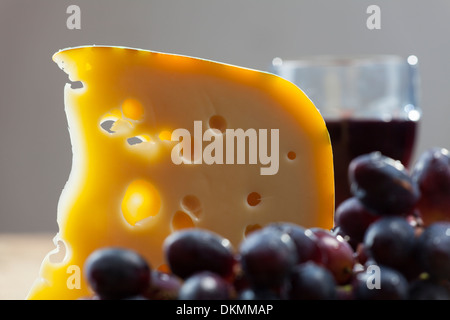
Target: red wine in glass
{"points": [[353, 137]]}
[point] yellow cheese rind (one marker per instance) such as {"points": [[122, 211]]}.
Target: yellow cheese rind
{"points": [[161, 93]]}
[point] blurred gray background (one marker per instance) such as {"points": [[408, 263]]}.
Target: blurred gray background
{"points": [[35, 156]]}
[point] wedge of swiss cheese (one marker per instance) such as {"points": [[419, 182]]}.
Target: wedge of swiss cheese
{"points": [[132, 183]]}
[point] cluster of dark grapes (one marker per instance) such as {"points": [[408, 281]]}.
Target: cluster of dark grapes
{"points": [[390, 241], [399, 221]]}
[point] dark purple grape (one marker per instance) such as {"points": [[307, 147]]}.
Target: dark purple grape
{"points": [[117, 273], [305, 242], [382, 184], [411, 268], [240, 281], [164, 286], [426, 289], [353, 218], [310, 281], [258, 294], [434, 250], [205, 285], [267, 257], [337, 254], [189, 251], [383, 283], [431, 173], [390, 241]]}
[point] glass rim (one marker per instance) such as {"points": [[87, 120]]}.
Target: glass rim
{"points": [[342, 60]]}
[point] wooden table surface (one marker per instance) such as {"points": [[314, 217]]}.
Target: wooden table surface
{"points": [[20, 259]]}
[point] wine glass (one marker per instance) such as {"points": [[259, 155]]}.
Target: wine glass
{"points": [[369, 103]]}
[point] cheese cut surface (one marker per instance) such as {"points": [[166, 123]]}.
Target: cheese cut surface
{"points": [[125, 188]]}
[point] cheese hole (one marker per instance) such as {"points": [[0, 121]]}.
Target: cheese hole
{"points": [[165, 135], [253, 199], [192, 204], [141, 201], [108, 121], [134, 140], [138, 139], [58, 255], [291, 155], [182, 220], [250, 228], [76, 85], [218, 122], [122, 126], [107, 125], [132, 109]]}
